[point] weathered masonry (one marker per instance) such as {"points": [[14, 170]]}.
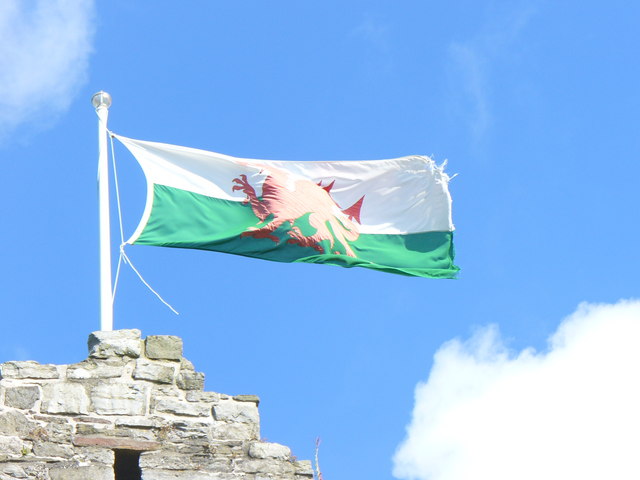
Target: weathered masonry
{"points": [[135, 409]]}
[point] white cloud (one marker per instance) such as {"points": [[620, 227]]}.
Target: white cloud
{"points": [[44, 50], [570, 412]]}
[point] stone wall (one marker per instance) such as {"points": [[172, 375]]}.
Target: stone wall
{"points": [[67, 422]]}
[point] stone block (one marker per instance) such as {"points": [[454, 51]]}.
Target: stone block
{"points": [[93, 454], [50, 449], [188, 380], [176, 406], [94, 420], [94, 429], [119, 399], [234, 431], [139, 422], [56, 432], [11, 445], [247, 398], [65, 398], [206, 397], [266, 466], [269, 450], [155, 474], [56, 429], [23, 398], [154, 372], [36, 470], [136, 433], [186, 365], [76, 472], [174, 461], [95, 369], [38, 434], [12, 471], [223, 449], [189, 431], [303, 468], [116, 343], [28, 369], [166, 390], [116, 443], [232, 411], [163, 347]]}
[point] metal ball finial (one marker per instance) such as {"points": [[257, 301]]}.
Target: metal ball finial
{"points": [[101, 99]]}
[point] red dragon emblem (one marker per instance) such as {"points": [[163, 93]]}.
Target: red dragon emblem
{"points": [[288, 199]]}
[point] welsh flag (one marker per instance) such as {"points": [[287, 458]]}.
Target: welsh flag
{"points": [[389, 215]]}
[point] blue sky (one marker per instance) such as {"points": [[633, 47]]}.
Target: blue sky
{"points": [[534, 104]]}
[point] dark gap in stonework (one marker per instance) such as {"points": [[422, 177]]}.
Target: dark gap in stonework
{"points": [[127, 465]]}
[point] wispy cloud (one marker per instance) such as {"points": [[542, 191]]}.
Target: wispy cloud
{"points": [[374, 38], [471, 87], [373, 31], [570, 412], [44, 51], [472, 67]]}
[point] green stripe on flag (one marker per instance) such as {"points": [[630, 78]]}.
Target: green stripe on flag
{"points": [[184, 219]]}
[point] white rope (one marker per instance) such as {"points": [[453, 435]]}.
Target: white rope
{"points": [[123, 256], [115, 283], [128, 261]]}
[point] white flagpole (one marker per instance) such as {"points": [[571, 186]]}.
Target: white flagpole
{"points": [[102, 101]]}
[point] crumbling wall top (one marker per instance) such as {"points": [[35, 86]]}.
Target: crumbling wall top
{"points": [[133, 396]]}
